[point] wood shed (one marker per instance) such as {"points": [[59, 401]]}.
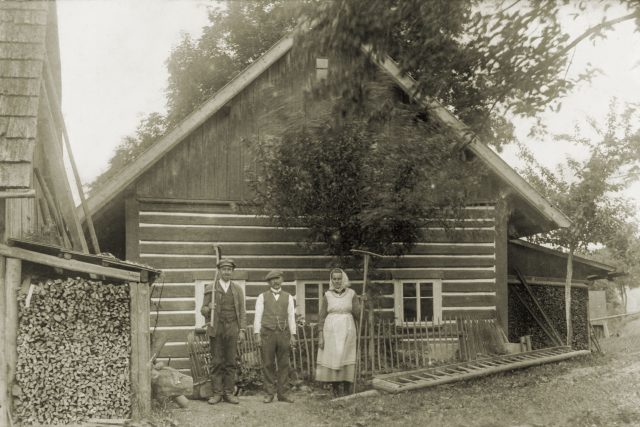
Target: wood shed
{"points": [[75, 329]]}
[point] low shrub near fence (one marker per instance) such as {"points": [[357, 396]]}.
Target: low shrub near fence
{"points": [[74, 349]]}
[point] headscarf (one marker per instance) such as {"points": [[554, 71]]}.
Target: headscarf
{"points": [[345, 278]]}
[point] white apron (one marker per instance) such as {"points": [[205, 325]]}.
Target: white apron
{"points": [[339, 332]]}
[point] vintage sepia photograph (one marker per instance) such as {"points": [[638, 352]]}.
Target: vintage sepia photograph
{"points": [[320, 213]]}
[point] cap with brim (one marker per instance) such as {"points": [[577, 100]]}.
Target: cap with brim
{"points": [[226, 263], [273, 274]]}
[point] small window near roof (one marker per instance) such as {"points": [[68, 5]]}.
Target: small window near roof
{"points": [[322, 68]]}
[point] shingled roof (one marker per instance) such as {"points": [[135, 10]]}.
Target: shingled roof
{"points": [[23, 46]]}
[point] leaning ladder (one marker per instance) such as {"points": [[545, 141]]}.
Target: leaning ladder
{"points": [[422, 378]]}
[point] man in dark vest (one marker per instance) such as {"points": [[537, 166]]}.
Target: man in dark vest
{"points": [[275, 330], [227, 329]]}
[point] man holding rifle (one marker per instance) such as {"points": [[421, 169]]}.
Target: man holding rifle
{"points": [[224, 311]]}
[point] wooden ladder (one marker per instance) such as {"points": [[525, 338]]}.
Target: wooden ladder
{"points": [[422, 378]]}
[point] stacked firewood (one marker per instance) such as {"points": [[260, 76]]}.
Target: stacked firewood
{"points": [[73, 352]]}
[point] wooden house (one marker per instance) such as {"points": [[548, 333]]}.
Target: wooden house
{"points": [[178, 199]]}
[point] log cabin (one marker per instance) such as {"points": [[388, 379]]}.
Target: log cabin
{"points": [[182, 196]]}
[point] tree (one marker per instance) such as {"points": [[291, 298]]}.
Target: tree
{"points": [[236, 36], [588, 191]]}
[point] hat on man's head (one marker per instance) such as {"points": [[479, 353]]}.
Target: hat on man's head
{"points": [[273, 274], [227, 262]]}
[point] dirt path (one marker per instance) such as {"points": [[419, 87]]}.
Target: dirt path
{"points": [[590, 391], [252, 412]]}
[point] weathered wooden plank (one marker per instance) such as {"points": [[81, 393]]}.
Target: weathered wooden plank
{"points": [[12, 5], [474, 314], [315, 262], [15, 175], [18, 105], [264, 234], [140, 373], [175, 350], [17, 150], [22, 33], [294, 248], [20, 86], [27, 68], [253, 290], [443, 274], [4, 396], [173, 319], [20, 51], [168, 290], [232, 249], [68, 264], [187, 218], [23, 16], [468, 300], [172, 335], [172, 305], [22, 127], [468, 287], [12, 280]]}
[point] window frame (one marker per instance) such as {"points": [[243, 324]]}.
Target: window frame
{"points": [[399, 300]]}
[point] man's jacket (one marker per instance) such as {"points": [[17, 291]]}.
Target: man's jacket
{"points": [[238, 299]]}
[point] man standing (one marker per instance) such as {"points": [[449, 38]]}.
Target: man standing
{"points": [[275, 330], [225, 300]]}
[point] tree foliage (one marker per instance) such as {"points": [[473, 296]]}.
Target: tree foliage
{"points": [[589, 190], [365, 180]]}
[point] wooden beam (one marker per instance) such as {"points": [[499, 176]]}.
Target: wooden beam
{"points": [[132, 228], [4, 397], [68, 264], [140, 350], [188, 124], [52, 146], [18, 194], [13, 277], [502, 261], [54, 105], [467, 137]]}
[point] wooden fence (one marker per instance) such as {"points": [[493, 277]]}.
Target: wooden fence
{"points": [[385, 346]]}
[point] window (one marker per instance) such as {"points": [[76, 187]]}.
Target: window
{"points": [[309, 300], [420, 301]]}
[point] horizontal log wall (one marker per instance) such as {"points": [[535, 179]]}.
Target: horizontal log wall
{"points": [[180, 241]]}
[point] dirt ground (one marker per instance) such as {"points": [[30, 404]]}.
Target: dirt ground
{"points": [[598, 390]]}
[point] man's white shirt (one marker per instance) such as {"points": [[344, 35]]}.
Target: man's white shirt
{"points": [[291, 314]]}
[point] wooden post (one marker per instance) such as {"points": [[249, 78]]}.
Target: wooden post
{"points": [[4, 398], [13, 274], [502, 244], [140, 350]]}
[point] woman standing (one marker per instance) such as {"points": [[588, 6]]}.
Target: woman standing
{"points": [[339, 307]]}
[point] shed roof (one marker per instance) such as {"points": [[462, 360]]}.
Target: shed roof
{"points": [[538, 207]]}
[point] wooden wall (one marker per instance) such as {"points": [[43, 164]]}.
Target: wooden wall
{"points": [[179, 238], [187, 203]]}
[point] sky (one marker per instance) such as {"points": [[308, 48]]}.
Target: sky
{"points": [[113, 73]]}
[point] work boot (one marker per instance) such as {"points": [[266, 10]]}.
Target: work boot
{"points": [[335, 389], [268, 398], [230, 398], [285, 398], [216, 398]]}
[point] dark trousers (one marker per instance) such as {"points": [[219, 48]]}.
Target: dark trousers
{"points": [[223, 348], [275, 347]]}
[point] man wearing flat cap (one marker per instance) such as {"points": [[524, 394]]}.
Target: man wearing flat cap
{"points": [[274, 327], [224, 301]]}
